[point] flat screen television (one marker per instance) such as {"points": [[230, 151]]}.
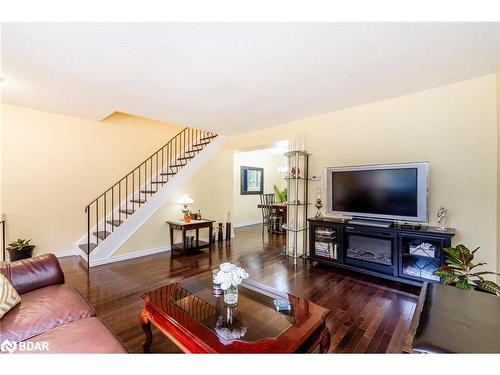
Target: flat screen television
{"points": [[384, 192]]}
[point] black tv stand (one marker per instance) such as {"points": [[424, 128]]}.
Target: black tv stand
{"points": [[408, 254], [370, 222]]}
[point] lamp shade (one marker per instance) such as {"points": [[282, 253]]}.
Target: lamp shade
{"points": [[185, 200]]}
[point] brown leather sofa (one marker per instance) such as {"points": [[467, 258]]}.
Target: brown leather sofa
{"points": [[52, 312], [452, 320]]}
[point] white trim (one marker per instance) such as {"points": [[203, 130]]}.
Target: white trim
{"points": [[137, 254], [66, 253], [248, 223], [142, 214], [82, 254], [123, 205]]}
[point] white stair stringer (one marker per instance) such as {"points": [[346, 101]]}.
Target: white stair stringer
{"points": [[121, 234]]}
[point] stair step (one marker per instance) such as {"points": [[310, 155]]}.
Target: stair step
{"points": [[185, 157], [137, 200], [167, 174], [159, 182], [102, 234], [178, 165], [84, 248], [209, 137], [115, 223], [148, 191], [201, 144], [127, 211]]}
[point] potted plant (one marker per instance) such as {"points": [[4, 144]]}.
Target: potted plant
{"points": [[187, 216], [460, 271], [20, 249], [281, 194]]}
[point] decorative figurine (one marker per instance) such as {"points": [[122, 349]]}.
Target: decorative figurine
{"points": [[441, 218], [220, 233], [318, 205], [228, 227]]}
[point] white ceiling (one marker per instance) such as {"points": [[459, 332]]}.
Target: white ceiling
{"points": [[232, 78]]}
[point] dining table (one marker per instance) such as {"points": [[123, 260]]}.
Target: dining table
{"points": [[279, 208]]}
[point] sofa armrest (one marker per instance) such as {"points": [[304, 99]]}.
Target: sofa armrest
{"points": [[408, 345], [34, 273]]}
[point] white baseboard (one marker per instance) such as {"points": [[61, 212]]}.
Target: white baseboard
{"points": [[248, 223], [137, 254], [66, 253]]}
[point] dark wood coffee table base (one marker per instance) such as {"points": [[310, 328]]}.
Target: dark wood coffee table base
{"points": [[307, 332], [320, 340]]}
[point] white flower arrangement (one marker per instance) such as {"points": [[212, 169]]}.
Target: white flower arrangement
{"points": [[228, 335], [230, 275]]}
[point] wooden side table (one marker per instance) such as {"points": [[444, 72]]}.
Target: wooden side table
{"points": [[193, 225]]}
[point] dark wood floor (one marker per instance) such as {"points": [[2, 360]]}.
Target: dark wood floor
{"points": [[368, 315]]}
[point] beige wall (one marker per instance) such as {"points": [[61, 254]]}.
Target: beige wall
{"points": [[53, 165], [454, 127], [498, 174], [212, 192], [245, 206]]}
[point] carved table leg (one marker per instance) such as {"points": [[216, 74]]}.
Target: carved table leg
{"points": [[324, 343], [146, 327]]}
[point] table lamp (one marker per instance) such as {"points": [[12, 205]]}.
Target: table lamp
{"points": [[185, 200]]}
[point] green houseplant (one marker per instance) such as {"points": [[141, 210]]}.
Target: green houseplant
{"points": [[460, 271], [20, 249], [281, 194]]}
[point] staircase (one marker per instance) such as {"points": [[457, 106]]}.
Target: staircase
{"points": [[111, 209]]}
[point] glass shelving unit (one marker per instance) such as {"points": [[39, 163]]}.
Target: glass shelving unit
{"points": [[297, 186]]}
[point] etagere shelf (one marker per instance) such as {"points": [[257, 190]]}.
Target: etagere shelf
{"points": [[297, 187]]}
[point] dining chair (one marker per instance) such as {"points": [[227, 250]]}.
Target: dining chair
{"points": [[270, 219]]}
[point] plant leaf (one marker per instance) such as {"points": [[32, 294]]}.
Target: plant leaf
{"points": [[484, 273], [489, 286], [462, 284], [464, 254], [462, 249], [448, 279], [464, 259], [443, 272], [476, 265], [476, 249], [456, 263], [452, 252]]}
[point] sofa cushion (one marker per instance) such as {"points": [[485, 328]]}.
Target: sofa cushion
{"points": [[43, 309], [8, 296], [82, 336]]}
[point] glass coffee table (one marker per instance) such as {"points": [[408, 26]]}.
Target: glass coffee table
{"points": [[194, 316]]}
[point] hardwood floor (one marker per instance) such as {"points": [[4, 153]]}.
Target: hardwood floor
{"points": [[368, 315]]}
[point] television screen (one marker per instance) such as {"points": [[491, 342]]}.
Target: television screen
{"points": [[379, 191], [382, 191]]}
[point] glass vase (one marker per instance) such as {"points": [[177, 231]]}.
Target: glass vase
{"points": [[231, 295]]}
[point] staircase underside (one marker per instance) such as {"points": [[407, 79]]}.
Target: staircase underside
{"points": [[137, 208]]}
